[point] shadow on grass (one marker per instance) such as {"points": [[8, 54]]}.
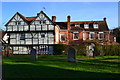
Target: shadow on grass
{"points": [[102, 62], [31, 71]]}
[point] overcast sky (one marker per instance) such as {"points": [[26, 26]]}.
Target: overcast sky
{"points": [[79, 11]]}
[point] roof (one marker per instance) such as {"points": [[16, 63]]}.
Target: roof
{"points": [[62, 25], [28, 19], [2, 33], [102, 25]]}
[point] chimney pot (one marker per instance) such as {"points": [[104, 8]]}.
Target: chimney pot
{"points": [[68, 18], [54, 18], [104, 18]]}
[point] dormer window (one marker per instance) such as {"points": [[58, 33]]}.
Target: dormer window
{"points": [[86, 26], [77, 25], [17, 23], [95, 26]]}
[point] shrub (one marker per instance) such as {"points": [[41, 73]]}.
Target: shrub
{"points": [[112, 50], [81, 50], [59, 49]]}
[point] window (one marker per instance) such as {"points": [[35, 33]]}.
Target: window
{"points": [[86, 26], [95, 26], [14, 28], [77, 25], [28, 35], [47, 22], [101, 36], [42, 35], [28, 41], [15, 48], [42, 22], [84, 36], [12, 41], [9, 28], [22, 36], [51, 27], [38, 27], [62, 37], [32, 27], [91, 35], [44, 27], [75, 35], [17, 23], [26, 28], [35, 41], [20, 28]]}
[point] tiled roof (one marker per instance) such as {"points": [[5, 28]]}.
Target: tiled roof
{"points": [[29, 19], [102, 25], [62, 25]]}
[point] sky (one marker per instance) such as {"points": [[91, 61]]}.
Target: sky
{"points": [[79, 11]]}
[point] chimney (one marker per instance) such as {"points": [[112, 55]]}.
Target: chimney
{"points": [[104, 18], [54, 18], [68, 18]]}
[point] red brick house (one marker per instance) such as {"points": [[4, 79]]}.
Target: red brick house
{"points": [[41, 33], [76, 32]]}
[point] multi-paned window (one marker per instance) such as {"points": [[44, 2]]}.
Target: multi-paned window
{"points": [[12, 38], [42, 35], [22, 36], [95, 26], [77, 25], [17, 23], [84, 36], [75, 35], [62, 37], [86, 26], [42, 22], [9, 28], [101, 35], [91, 35]]}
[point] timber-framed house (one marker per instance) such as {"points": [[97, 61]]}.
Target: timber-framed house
{"points": [[41, 33], [26, 33]]}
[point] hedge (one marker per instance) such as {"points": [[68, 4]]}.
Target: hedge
{"points": [[103, 50]]}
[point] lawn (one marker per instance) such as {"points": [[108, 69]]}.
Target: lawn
{"points": [[56, 66]]}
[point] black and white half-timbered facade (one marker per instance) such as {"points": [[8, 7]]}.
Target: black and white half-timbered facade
{"points": [[26, 33]]}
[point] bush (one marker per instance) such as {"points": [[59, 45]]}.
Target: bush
{"points": [[112, 50], [81, 50], [60, 49], [107, 50]]}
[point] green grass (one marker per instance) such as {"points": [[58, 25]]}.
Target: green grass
{"points": [[54, 66]]}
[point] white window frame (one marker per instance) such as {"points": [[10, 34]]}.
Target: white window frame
{"points": [[60, 38], [9, 28], [73, 36], [95, 26], [84, 36], [77, 25], [86, 26], [99, 35], [90, 35], [42, 36]]}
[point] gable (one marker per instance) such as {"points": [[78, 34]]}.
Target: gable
{"points": [[41, 18], [17, 17]]}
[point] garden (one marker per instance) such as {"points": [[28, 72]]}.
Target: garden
{"points": [[56, 66]]}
